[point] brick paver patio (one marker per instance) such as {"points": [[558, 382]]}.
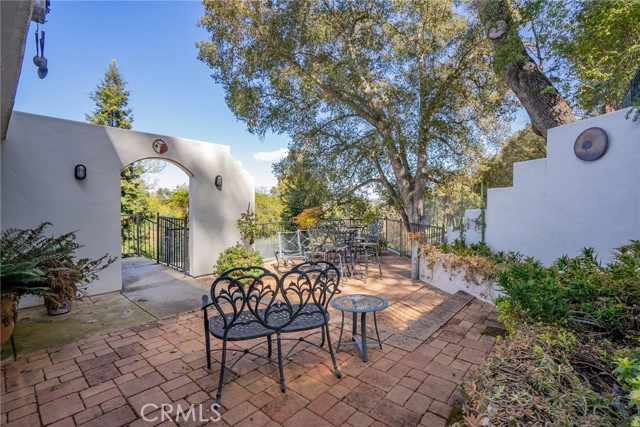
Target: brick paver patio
{"points": [[106, 380]]}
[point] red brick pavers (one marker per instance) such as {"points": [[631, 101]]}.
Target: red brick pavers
{"points": [[108, 379]]}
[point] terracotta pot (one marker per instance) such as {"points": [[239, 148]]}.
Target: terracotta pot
{"points": [[6, 330]]}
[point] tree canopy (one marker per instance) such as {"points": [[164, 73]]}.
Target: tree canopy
{"points": [[497, 171], [591, 48], [269, 206], [585, 52], [389, 94]]}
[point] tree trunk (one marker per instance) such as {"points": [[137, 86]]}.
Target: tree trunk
{"points": [[544, 104]]}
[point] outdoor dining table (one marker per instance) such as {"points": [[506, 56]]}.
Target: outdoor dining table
{"points": [[359, 304]]}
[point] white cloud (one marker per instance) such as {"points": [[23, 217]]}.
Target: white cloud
{"points": [[271, 156]]}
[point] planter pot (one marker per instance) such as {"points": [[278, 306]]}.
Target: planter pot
{"points": [[7, 329], [54, 309]]}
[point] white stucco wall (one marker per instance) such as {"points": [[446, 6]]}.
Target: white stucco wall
{"points": [[38, 159], [561, 204], [472, 228], [452, 280]]}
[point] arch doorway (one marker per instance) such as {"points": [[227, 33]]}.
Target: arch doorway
{"points": [[219, 188], [154, 206]]}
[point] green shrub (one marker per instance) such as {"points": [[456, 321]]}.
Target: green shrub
{"points": [[235, 257], [579, 292]]}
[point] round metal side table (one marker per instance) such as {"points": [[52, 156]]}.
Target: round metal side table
{"points": [[359, 304]]}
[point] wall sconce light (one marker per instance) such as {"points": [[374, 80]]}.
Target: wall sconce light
{"points": [[80, 172], [218, 181]]}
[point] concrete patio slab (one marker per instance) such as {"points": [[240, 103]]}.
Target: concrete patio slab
{"points": [[159, 290]]}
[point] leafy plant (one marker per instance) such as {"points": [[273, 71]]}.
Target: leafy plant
{"points": [[235, 257], [477, 261], [308, 218], [248, 227], [580, 292], [36, 264]]}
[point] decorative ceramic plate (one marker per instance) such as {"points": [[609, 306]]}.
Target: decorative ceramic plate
{"points": [[159, 146], [591, 144]]}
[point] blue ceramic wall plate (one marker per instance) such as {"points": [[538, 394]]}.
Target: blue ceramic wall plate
{"points": [[591, 144]]}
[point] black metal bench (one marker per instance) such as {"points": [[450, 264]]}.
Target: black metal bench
{"points": [[255, 303]]}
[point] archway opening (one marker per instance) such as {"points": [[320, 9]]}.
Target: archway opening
{"points": [[154, 213]]}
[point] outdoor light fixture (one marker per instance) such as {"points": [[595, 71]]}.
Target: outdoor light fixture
{"points": [[218, 181], [80, 172]]}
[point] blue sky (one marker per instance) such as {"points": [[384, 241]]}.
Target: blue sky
{"points": [[153, 43]]}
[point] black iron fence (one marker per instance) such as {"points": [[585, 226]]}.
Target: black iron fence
{"points": [[173, 238], [395, 235], [164, 239], [398, 239]]}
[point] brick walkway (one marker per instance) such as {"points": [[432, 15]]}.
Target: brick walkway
{"points": [[107, 379]]}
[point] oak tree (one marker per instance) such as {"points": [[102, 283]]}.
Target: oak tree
{"points": [[384, 94]]}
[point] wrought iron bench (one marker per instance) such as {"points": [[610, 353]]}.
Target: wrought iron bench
{"points": [[253, 303]]}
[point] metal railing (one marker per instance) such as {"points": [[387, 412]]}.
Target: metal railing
{"points": [[395, 235], [138, 236], [398, 239], [266, 242], [173, 238], [164, 239]]}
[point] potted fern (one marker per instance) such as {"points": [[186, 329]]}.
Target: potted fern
{"points": [[36, 264]]}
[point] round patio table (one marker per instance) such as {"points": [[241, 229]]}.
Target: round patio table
{"points": [[359, 304]]}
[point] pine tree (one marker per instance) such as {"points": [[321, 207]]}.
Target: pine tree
{"points": [[112, 100]]}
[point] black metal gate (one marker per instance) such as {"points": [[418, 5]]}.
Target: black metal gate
{"points": [[164, 239]]}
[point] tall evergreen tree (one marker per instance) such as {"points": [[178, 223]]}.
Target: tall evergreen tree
{"points": [[112, 100]]}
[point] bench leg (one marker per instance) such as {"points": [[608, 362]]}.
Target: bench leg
{"points": [[207, 342], [322, 341], [222, 367], [333, 356], [283, 387], [269, 346]]}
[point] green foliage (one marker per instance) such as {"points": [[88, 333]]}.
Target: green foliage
{"points": [[474, 261], [628, 373], [554, 368], [589, 48], [134, 191], [235, 257], [111, 98], [508, 52], [579, 292], [384, 96], [166, 202], [480, 249], [36, 264], [300, 185], [497, 171], [269, 207], [248, 227]]}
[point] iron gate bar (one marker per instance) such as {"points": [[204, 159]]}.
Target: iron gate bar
{"points": [[166, 239]]}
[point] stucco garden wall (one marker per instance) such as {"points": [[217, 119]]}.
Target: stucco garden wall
{"points": [[451, 279], [561, 204], [38, 159]]}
